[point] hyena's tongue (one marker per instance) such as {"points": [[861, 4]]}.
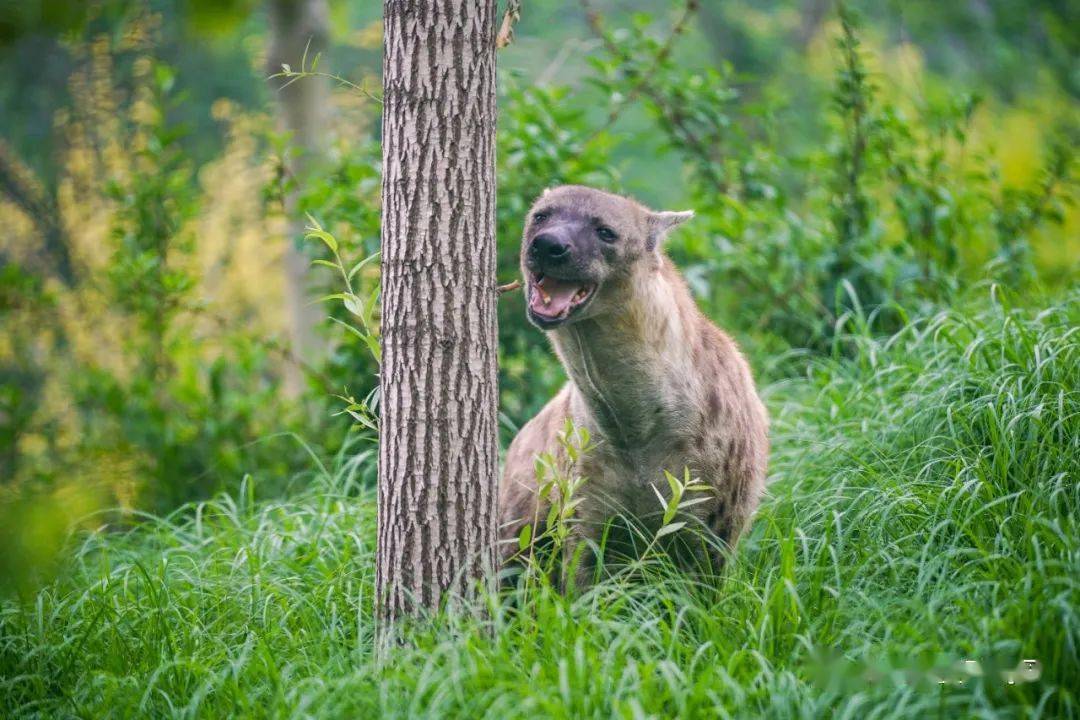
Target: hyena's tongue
{"points": [[552, 297]]}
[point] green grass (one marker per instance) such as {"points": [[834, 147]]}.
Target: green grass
{"points": [[924, 510]]}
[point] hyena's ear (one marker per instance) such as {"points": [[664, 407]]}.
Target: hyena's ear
{"points": [[661, 222]]}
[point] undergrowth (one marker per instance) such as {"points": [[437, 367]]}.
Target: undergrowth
{"points": [[922, 512]]}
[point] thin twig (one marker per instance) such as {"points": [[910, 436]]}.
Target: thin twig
{"points": [[568, 48], [509, 287], [677, 29], [506, 30], [674, 118], [312, 72]]}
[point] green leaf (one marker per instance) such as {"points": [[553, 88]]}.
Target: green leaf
{"points": [[360, 265], [525, 537], [374, 346], [363, 420], [673, 483], [350, 328], [670, 510], [369, 307], [326, 237], [670, 528], [354, 305], [659, 495]]}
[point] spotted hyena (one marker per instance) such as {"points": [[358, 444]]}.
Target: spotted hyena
{"points": [[657, 384]]}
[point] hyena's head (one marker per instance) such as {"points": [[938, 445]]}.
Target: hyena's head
{"points": [[582, 247]]}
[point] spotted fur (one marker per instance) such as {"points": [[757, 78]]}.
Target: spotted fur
{"points": [[658, 385]]}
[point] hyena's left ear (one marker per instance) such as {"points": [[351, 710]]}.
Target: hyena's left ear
{"points": [[661, 222]]}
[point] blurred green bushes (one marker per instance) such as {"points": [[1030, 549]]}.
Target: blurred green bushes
{"points": [[140, 377]]}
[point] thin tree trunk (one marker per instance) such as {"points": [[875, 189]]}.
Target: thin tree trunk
{"points": [[18, 183], [813, 14], [438, 456], [297, 26]]}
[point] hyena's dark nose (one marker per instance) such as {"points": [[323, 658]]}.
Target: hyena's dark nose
{"points": [[548, 247]]}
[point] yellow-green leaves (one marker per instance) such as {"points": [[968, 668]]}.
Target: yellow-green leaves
{"points": [[677, 500], [558, 489], [362, 308]]}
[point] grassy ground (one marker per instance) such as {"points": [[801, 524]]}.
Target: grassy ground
{"points": [[924, 510]]}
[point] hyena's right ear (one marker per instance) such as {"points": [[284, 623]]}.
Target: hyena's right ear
{"points": [[661, 222]]}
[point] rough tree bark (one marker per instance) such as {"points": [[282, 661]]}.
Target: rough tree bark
{"points": [[296, 26], [438, 456]]}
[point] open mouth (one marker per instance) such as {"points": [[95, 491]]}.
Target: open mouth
{"points": [[552, 300]]}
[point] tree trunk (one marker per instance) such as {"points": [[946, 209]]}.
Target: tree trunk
{"points": [[18, 183], [438, 456], [296, 26], [812, 16]]}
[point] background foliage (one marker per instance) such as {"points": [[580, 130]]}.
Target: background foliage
{"points": [[876, 184]]}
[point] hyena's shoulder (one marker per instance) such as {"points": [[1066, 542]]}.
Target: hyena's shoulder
{"points": [[537, 436]]}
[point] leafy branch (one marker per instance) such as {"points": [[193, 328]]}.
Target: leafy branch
{"points": [[363, 309], [312, 71]]}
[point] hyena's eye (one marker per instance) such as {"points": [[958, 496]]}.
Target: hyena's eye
{"points": [[606, 234], [541, 216]]}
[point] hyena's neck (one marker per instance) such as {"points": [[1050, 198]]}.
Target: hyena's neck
{"points": [[634, 367]]}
